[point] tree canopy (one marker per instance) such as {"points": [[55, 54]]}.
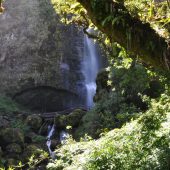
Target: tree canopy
{"points": [[142, 27]]}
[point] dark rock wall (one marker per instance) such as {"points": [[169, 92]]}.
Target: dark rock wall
{"points": [[37, 50]]}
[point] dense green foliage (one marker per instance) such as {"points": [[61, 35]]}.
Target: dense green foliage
{"points": [[133, 102], [7, 105], [140, 144], [134, 92], [120, 94], [157, 14]]}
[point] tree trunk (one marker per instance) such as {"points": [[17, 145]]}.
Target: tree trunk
{"points": [[137, 37]]}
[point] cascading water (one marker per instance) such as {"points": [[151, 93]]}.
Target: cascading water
{"points": [[91, 67], [51, 130], [63, 136]]}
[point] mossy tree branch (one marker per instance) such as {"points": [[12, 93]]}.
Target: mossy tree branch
{"points": [[137, 37]]}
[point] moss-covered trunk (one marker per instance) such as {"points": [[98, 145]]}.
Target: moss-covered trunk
{"points": [[137, 37]]}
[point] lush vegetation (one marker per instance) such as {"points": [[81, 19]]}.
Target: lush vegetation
{"points": [[122, 89], [133, 92], [130, 124], [141, 144]]}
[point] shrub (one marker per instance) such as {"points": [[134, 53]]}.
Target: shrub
{"points": [[141, 144], [8, 105]]}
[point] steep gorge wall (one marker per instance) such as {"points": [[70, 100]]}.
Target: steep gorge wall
{"points": [[36, 50]]}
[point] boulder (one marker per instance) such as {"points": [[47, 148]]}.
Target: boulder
{"points": [[11, 135], [73, 119], [54, 144], [14, 148], [31, 150], [29, 137], [61, 121], [34, 122]]}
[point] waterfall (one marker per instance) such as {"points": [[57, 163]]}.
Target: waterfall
{"points": [[91, 67], [51, 130], [63, 137]]}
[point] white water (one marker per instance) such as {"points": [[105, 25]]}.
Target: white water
{"points": [[90, 69], [51, 130], [63, 136]]}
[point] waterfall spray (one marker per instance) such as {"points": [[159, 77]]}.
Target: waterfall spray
{"points": [[90, 69], [51, 130]]}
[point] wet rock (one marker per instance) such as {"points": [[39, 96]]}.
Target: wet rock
{"points": [[61, 121], [36, 63], [73, 119], [29, 137], [11, 135], [54, 144], [34, 122], [14, 148], [44, 129], [4, 122]]}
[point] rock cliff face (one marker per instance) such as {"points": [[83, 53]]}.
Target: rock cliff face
{"points": [[39, 57]]}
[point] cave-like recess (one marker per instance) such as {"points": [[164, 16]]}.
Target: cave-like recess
{"points": [[48, 99]]}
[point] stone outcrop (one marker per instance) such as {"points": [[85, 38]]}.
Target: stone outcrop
{"points": [[40, 58], [13, 148], [73, 119], [23, 134], [11, 135], [34, 122]]}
